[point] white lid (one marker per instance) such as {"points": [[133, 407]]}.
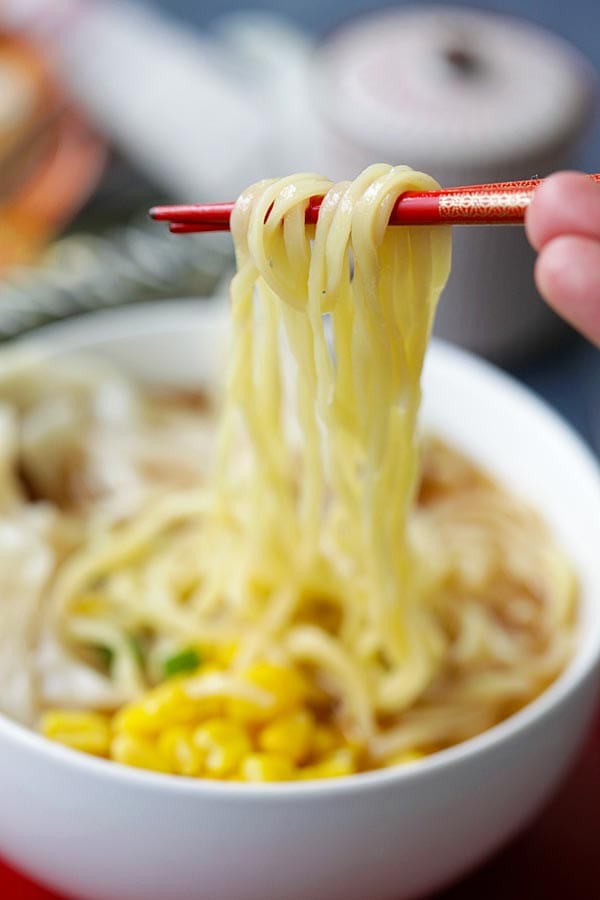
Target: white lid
{"points": [[449, 84]]}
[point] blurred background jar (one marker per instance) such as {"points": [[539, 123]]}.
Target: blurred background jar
{"points": [[50, 160], [469, 96]]}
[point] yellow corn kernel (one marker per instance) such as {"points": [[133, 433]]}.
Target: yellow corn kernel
{"points": [[266, 767], [325, 740], [88, 732], [178, 748], [224, 653], [138, 752], [405, 756], [90, 604], [285, 686], [340, 762], [164, 706], [290, 735], [223, 745]]}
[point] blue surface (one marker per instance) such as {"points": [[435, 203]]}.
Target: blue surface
{"points": [[569, 377]]}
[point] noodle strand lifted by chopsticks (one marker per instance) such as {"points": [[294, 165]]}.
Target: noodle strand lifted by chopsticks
{"points": [[422, 623]]}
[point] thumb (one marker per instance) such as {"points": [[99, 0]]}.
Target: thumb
{"points": [[563, 224]]}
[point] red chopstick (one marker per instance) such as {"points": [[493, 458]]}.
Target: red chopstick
{"points": [[501, 203]]}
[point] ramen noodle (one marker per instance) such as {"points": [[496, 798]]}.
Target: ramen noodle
{"points": [[283, 581]]}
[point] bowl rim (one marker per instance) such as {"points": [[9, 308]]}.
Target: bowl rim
{"points": [[151, 317]]}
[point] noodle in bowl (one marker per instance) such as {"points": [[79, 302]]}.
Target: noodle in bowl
{"points": [[110, 831]]}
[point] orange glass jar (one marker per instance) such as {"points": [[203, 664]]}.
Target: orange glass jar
{"points": [[50, 160]]}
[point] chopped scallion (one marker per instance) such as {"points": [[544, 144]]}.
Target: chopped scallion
{"points": [[186, 660], [137, 650], [105, 656]]}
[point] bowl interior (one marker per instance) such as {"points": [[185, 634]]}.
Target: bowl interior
{"points": [[470, 403]]}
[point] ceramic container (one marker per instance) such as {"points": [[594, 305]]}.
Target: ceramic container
{"points": [[94, 830]]}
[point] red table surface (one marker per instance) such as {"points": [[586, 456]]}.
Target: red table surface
{"points": [[557, 858]]}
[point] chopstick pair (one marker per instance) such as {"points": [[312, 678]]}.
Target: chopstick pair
{"points": [[500, 203]]}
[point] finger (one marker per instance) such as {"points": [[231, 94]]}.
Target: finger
{"points": [[565, 203], [567, 274]]}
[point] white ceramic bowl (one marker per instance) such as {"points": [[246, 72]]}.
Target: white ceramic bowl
{"points": [[97, 831]]}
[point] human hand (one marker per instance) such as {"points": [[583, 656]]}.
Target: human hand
{"points": [[563, 225]]}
